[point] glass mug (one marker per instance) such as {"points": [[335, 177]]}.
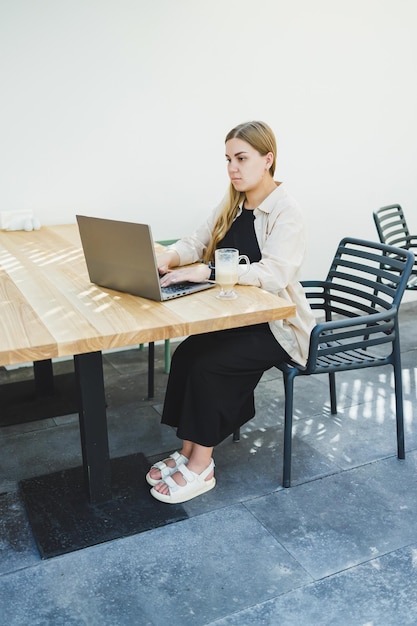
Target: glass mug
{"points": [[226, 263]]}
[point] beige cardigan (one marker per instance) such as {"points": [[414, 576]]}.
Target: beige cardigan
{"points": [[280, 231]]}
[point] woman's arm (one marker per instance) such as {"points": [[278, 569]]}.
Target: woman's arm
{"points": [[166, 259]]}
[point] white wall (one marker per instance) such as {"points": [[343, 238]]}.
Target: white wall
{"points": [[119, 108]]}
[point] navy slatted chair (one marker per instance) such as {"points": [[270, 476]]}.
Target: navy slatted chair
{"points": [[359, 301], [392, 229]]}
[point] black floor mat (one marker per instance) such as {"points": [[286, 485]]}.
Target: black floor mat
{"points": [[63, 521]]}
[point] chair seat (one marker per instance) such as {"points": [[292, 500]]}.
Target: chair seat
{"points": [[353, 359], [349, 359]]}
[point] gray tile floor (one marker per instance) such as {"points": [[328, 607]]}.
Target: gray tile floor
{"points": [[339, 547]]}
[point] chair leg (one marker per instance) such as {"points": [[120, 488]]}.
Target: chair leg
{"points": [[236, 435], [289, 395], [167, 354], [399, 409], [151, 370], [333, 398]]}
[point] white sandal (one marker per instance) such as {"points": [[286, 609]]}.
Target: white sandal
{"points": [[165, 470], [195, 485]]}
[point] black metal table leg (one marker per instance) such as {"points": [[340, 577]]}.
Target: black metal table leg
{"points": [[93, 426], [44, 378], [102, 500]]}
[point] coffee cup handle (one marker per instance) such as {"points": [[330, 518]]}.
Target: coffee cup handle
{"points": [[247, 261]]}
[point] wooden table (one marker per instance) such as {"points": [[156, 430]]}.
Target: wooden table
{"points": [[49, 308]]}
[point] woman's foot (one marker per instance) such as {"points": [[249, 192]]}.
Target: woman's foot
{"points": [[163, 469], [184, 484]]}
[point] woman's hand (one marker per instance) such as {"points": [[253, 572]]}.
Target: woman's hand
{"points": [[191, 273]]}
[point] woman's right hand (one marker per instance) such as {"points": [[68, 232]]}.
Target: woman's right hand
{"points": [[167, 259], [196, 273]]}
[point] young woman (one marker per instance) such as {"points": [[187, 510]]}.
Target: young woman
{"points": [[210, 391]]}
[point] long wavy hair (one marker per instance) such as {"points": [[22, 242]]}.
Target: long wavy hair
{"points": [[259, 136]]}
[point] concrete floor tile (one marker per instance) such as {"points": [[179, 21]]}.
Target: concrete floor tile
{"points": [[134, 428], [381, 592], [343, 520], [38, 452], [356, 435], [188, 573], [17, 546]]}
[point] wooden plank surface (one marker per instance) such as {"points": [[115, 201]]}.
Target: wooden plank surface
{"points": [[49, 308]]}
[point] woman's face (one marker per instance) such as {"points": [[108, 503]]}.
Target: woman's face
{"points": [[246, 167]]}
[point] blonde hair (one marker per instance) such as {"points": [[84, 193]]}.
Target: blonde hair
{"points": [[259, 136]]}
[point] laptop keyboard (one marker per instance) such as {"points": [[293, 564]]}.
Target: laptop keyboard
{"points": [[182, 289], [177, 288]]}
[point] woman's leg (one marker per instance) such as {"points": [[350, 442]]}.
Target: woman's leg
{"points": [[210, 392], [212, 379]]}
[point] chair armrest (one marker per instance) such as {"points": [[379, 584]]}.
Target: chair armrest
{"points": [[314, 283]]}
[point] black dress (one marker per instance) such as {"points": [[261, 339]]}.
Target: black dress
{"points": [[213, 375]]}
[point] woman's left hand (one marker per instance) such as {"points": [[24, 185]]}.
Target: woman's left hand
{"points": [[193, 273]]}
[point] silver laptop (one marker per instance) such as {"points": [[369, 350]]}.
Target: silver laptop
{"points": [[121, 256]]}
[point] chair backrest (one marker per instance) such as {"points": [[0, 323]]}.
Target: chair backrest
{"points": [[360, 299], [364, 277], [391, 225]]}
